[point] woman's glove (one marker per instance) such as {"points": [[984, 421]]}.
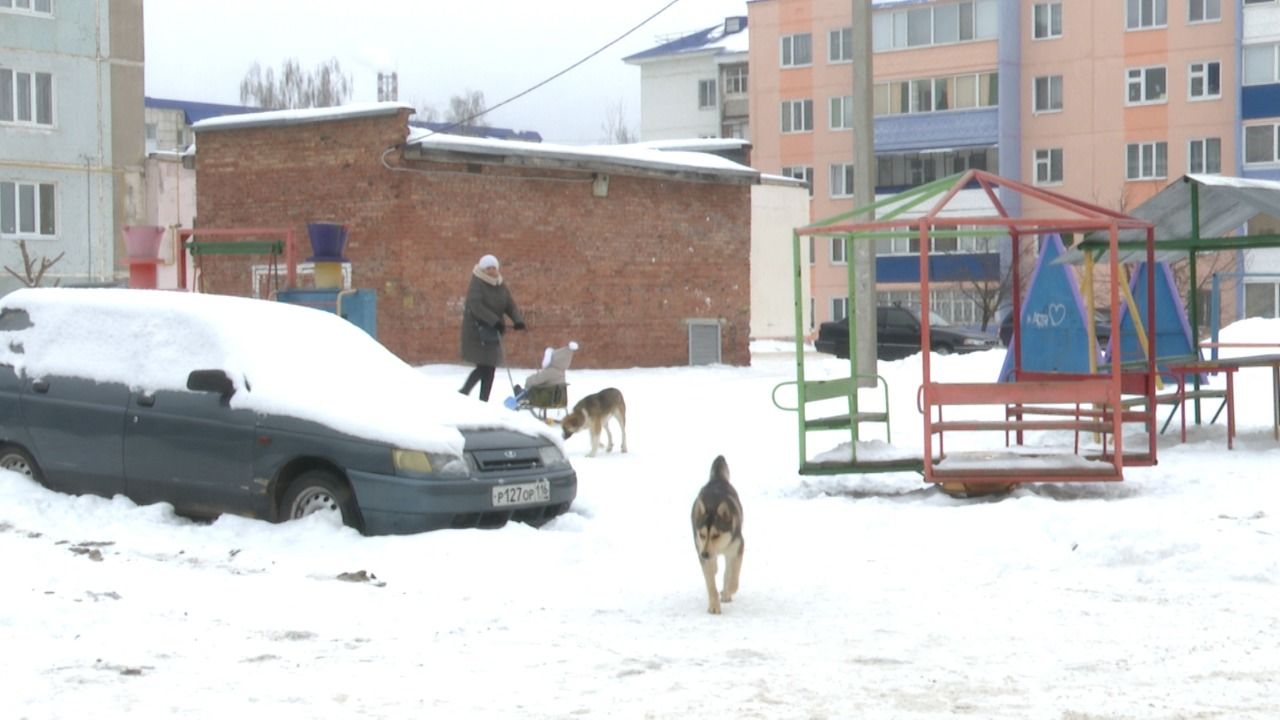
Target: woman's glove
{"points": [[519, 326]]}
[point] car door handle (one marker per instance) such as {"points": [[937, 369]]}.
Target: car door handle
{"points": [[40, 386], [147, 400]]}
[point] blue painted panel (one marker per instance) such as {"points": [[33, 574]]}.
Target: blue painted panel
{"points": [[942, 268], [1052, 329], [937, 130], [1258, 101]]}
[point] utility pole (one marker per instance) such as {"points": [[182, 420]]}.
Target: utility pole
{"points": [[861, 254]]}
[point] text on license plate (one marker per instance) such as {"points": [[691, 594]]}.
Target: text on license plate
{"points": [[522, 493]]}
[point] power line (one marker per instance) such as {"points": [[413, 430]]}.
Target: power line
{"points": [[521, 94]]}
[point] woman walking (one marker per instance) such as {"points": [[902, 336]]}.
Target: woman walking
{"points": [[488, 300]]}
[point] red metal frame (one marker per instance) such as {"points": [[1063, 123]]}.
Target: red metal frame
{"points": [[290, 256]]}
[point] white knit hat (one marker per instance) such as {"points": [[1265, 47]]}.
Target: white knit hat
{"points": [[488, 261]]}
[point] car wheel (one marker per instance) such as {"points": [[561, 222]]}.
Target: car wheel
{"points": [[943, 349], [18, 460], [317, 491]]}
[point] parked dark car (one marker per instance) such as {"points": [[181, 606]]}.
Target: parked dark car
{"points": [[898, 335], [1101, 327], [219, 404]]}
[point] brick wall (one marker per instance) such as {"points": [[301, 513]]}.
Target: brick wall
{"points": [[620, 274]]}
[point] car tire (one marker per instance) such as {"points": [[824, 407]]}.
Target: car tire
{"points": [[13, 457], [317, 491], [943, 350]]}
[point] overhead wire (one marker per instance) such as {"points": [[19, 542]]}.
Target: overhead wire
{"points": [[517, 96]]}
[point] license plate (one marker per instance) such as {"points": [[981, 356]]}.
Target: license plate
{"points": [[522, 493]]}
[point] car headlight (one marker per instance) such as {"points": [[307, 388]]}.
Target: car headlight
{"points": [[551, 456], [417, 461]]}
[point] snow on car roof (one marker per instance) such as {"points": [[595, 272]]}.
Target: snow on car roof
{"points": [[284, 359]]}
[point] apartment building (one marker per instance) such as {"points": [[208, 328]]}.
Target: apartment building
{"points": [[695, 85], [1103, 100], [71, 136]]}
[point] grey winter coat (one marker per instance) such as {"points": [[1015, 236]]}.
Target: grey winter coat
{"points": [[486, 304]]}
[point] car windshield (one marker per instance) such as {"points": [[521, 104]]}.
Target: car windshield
{"points": [[935, 320]]}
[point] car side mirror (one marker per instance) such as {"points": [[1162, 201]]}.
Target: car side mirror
{"points": [[213, 381]]}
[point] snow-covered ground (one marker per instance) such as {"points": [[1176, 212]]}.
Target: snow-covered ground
{"points": [[861, 597]]}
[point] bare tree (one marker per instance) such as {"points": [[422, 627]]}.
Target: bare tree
{"points": [[615, 127], [465, 110], [32, 277], [325, 86], [426, 112]]}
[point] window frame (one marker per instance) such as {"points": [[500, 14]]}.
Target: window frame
{"points": [[1047, 158], [1204, 8], [1142, 81], [1204, 144], [844, 103], [806, 174], [1048, 7], [840, 46], [28, 98], [1273, 77], [788, 116], [38, 216], [1204, 76], [839, 308], [708, 98], [1272, 131], [835, 253], [1036, 98], [1155, 146], [1130, 25], [735, 76], [843, 172], [30, 9], [787, 50]]}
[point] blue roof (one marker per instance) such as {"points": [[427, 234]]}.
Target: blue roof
{"points": [[194, 112], [484, 131], [686, 43]]}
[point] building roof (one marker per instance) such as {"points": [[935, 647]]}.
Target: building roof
{"points": [[300, 115], [715, 40], [1224, 205], [601, 158], [194, 112]]}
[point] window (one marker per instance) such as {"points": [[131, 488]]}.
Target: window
{"points": [[813, 252], [26, 97], [938, 24], [841, 180], [1204, 156], [1258, 2], [839, 308], [1261, 64], [1204, 10], [842, 113], [1146, 85], [840, 45], [706, 94], [1260, 144], [1205, 79], [837, 250], [1260, 299], [797, 116], [904, 170], [1046, 20], [935, 94], [813, 313], [1046, 95], [32, 7], [800, 172], [27, 209], [1146, 161], [1049, 166], [797, 50], [735, 80], [1143, 14]]}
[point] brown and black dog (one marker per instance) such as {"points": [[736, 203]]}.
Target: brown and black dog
{"points": [[717, 530], [594, 411]]}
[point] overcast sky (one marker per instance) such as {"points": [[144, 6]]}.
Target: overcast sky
{"points": [[200, 50]]}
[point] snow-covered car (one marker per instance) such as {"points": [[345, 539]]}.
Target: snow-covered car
{"points": [[219, 404]]}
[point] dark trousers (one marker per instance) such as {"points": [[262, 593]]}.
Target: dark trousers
{"points": [[482, 374]]}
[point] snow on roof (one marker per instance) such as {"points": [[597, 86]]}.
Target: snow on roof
{"points": [[283, 359], [635, 155], [712, 40], [697, 144], [300, 115]]}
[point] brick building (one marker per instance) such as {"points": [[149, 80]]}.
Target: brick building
{"points": [[632, 252]]}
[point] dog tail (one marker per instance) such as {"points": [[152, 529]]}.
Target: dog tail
{"points": [[720, 470]]}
